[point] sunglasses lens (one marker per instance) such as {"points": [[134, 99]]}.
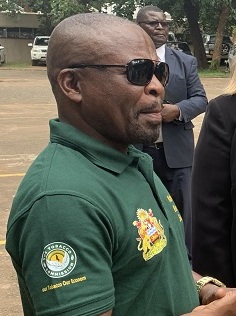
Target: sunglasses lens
{"points": [[162, 73], [140, 71]]}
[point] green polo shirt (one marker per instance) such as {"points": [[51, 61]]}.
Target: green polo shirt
{"points": [[93, 229]]}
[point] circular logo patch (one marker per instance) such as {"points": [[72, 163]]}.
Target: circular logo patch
{"points": [[58, 259]]}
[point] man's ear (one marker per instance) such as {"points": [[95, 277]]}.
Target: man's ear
{"points": [[69, 84]]}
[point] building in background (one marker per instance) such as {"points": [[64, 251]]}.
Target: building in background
{"points": [[18, 30], [15, 34]]}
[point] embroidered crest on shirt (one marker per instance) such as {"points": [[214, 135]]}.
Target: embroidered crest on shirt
{"points": [[58, 259], [152, 238]]}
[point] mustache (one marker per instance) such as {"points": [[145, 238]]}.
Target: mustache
{"points": [[154, 107]]}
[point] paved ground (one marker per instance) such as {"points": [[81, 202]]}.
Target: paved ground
{"points": [[26, 104]]}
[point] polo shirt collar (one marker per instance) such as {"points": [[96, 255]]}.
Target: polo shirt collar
{"points": [[97, 152]]}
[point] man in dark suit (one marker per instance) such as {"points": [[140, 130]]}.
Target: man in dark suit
{"points": [[185, 99], [214, 190]]}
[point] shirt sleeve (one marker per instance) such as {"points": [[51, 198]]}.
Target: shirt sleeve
{"points": [[66, 249]]}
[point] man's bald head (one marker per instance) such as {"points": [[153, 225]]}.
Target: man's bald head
{"points": [[80, 39], [104, 102], [141, 15]]}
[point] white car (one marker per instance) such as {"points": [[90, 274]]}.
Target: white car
{"points": [[39, 50], [2, 55]]}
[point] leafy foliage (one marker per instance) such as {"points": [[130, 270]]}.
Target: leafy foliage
{"points": [[210, 12], [61, 9], [9, 5], [206, 13], [125, 8]]}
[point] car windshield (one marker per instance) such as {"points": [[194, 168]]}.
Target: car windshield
{"points": [[42, 41], [212, 38]]}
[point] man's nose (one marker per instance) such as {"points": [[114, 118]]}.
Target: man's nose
{"points": [[155, 87]]}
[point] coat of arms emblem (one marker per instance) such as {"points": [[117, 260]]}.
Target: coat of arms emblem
{"points": [[152, 238]]}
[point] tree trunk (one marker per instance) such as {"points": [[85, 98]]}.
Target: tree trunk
{"points": [[199, 51], [216, 57]]}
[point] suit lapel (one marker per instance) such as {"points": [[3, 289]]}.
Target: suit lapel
{"points": [[170, 60]]}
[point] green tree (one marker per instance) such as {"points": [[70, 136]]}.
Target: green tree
{"points": [[61, 9], [179, 10], [191, 9], [217, 17], [208, 16], [45, 18], [52, 11], [224, 15], [12, 6], [125, 8]]}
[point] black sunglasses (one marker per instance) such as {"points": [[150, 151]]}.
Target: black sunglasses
{"points": [[163, 24], [139, 71]]}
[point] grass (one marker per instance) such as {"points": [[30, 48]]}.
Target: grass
{"points": [[208, 73], [16, 65], [19, 66]]}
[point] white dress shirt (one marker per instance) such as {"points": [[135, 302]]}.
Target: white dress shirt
{"points": [[161, 56]]}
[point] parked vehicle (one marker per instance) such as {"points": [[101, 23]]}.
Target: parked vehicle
{"points": [[179, 45], [2, 55], [209, 45], [232, 57], [182, 46], [172, 37], [39, 50]]}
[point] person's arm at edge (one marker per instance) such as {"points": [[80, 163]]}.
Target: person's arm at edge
{"points": [[210, 292], [223, 307], [197, 101], [194, 105]]}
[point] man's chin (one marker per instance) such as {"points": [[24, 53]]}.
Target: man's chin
{"points": [[158, 43], [146, 138]]}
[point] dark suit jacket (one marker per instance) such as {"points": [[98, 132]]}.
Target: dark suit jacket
{"points": [[214, 193], [184, 89]]}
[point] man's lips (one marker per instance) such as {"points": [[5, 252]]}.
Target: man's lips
{"points": [[158, 35], [152, 115]]}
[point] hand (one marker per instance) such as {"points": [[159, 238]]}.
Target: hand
{"points": [[169, 112], [225, 306], [211, 292]]}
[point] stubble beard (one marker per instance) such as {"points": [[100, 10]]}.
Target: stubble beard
{"points": [[142, 135]]}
